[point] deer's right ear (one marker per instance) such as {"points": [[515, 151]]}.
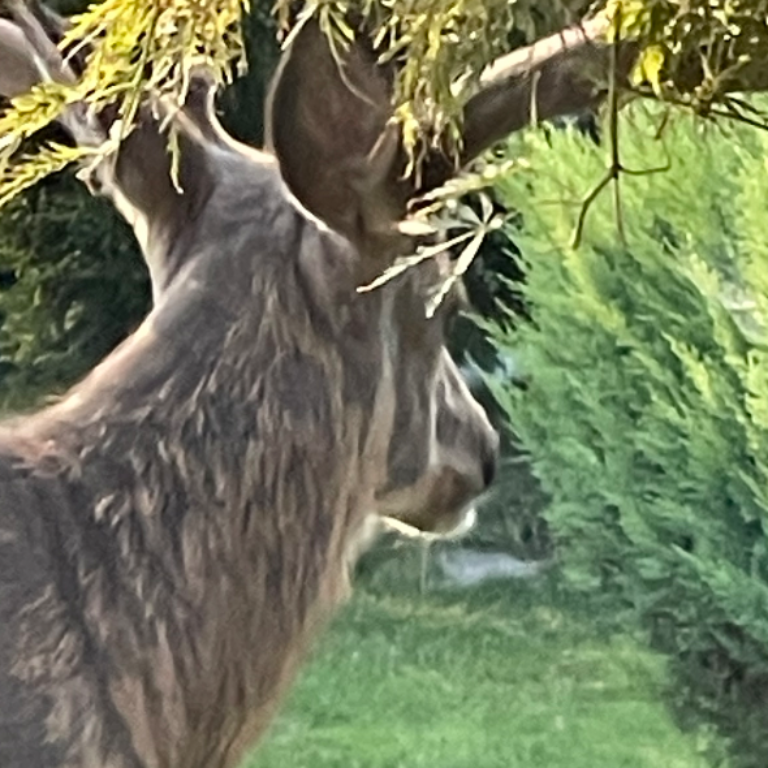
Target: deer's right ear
{"points": [[326, 122]]}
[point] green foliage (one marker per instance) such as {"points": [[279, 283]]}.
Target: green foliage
{"points": [[645, 400], [699, 52], [74, 287]]}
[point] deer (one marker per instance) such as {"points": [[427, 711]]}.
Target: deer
{"points": [[178, 528]]}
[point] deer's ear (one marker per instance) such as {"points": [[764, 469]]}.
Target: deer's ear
{"points": [[326, 121]]}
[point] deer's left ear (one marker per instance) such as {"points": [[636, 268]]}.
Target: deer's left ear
{"points": [[327, 121]]}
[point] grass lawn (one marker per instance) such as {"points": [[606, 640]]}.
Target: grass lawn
{"points": [[486, 679]]}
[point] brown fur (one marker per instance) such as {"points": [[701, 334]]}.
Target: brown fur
{"points": [[175, 531]]}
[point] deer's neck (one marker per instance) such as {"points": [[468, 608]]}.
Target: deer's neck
{"points": [[214, 477]]}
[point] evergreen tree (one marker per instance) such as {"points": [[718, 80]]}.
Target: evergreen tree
{"points": [[645, 398]]}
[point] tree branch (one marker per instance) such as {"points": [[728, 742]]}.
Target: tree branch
{"points": [[561, 74]]}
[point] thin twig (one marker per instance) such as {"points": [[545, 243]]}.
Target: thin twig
{"points": [[613, 106], [586, 203], [613, 172]]}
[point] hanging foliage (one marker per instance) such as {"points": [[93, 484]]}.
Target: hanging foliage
{"points": [[698, 53]]}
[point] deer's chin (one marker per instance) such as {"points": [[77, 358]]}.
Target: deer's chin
{"points": [[442, 504], [431, 525]]}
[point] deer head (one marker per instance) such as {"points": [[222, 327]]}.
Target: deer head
{"points": [[202, 489], [338, 171], [328, 124]]}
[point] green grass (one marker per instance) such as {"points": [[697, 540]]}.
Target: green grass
{"points": [[477, 681]]}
